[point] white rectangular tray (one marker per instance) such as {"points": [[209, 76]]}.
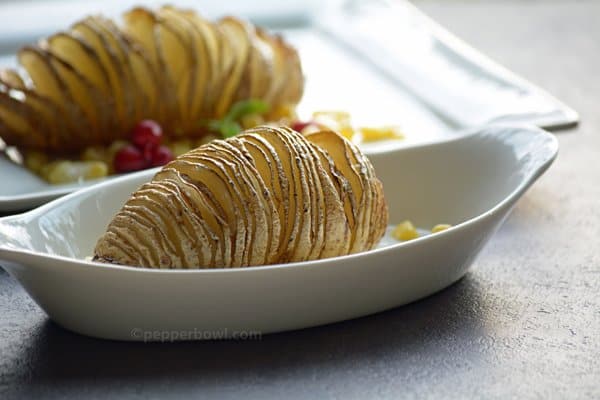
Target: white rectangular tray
{"points": [[385, 63]]}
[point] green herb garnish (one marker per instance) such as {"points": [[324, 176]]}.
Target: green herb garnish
{"points": [[228, 126]]}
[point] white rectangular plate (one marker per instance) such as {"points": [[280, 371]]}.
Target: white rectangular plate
{"points": [[425, 80]]}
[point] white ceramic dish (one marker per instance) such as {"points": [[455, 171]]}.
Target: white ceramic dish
{"points": [[431, 85], [471, 182]]}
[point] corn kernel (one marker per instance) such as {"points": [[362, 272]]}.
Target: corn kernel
{"points": [[63, 171], [114, 149], [405, 231], [252, 120], [340, 116], [180, 147], [207, 139], [110, 153], [371, 134], [440, 227], [94, 169], [94, 153], [35, 160], [338, 121], [284, 111], [310, 128]]}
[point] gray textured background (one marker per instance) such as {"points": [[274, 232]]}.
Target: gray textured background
{"points": [[524, 322]]}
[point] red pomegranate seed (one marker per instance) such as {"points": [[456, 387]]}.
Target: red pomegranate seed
{"points": [[147, 152], [128, 159], [160, 156], [299, 126], [147, 133]]}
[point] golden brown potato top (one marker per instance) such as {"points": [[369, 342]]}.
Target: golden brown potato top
{"points": [[93, 82], [269, 195]]}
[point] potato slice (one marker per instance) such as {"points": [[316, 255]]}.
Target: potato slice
{"points": [[256, 164], [16, 116], [185, 60], [235, 212], [43, 76], [136, 215], [302, 244], [237, 215], [15, 119], [75, 50], [11, 78], [15, 122], [186, 243], [90, 100], [106, 56], [244, 86], [218, 185], [302, 178], [140, 24], [366, 200], [380, 222], [379, 219], [237, 47], [146, 79], [118, 47], [253, 196], [215, 242], [182, 231], [209, 52], [205, 53], [205, 241], [337, 192], [295, 86], [271, 172], [285, 189], [334, 231], [365, 170], [297, 209], [120, 243], [183, 238], [315, 192], [160, 205], [280, 72], [209, 214], [41, 110], [291, 88], [279, 182], [115, 247], [369, 199], [47, 84], [43, 116], [169, 49], [260, 67], [254, 208], [174, 47], [335, 146]]}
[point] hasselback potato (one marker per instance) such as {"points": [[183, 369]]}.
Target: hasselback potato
{"points": [[92, 83], [269, 195]]}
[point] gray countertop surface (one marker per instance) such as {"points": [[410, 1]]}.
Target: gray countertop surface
{"points": [[524, 322]]}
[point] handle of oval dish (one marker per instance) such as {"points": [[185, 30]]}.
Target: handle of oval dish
{"points": [[534, 148], [14, 234]]}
